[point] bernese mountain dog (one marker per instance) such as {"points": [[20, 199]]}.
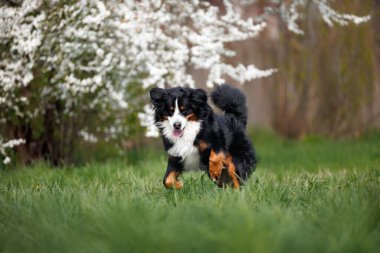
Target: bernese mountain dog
{"points": [[195, 137]]}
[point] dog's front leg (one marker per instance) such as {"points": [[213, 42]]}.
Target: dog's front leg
{"points": [[173, 171]]}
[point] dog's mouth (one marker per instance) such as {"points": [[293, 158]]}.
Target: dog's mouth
{"points": [[178, 133]]}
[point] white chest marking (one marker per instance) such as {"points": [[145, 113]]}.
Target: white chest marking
{"points": [[183, 146]]}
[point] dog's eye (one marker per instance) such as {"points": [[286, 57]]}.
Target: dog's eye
{"points": [[181, 108], [171, 108]]}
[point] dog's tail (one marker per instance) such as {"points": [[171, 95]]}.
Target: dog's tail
{"points": [[232, 101]]}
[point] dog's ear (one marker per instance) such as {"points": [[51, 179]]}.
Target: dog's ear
{"points": [[157, 96], [198, 97]]}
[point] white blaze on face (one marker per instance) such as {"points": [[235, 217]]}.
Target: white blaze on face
{"points": [[177, 118]]}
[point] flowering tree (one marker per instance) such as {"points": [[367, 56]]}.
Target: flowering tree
{"points": [[79, 68]]}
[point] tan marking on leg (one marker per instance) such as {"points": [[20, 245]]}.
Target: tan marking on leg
{"points": [[202, 146], [232, 172], [172, 181], [216, 164], [191, 117]]}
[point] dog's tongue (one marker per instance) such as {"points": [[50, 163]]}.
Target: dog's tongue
{"points": [[177, 133]]}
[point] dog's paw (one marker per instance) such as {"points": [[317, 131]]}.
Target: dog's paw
{"points": [[171, 182], [178, 185], [215, 175], [174, 185]]}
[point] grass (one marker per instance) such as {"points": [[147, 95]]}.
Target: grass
{"points": [[314, 195]]}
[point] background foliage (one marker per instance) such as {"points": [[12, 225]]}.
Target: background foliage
{"points": [[77, 72]]}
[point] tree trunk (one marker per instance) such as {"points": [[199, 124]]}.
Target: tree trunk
{"points": [[375, 18]]}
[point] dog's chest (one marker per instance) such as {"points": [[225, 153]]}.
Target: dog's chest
{"points": [[184, 147], [188, 152]]}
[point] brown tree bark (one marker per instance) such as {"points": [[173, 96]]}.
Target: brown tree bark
{"points": [[375, 18], [376, 32]]}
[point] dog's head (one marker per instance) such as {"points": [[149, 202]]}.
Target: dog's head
{"points": [[178, 110]]}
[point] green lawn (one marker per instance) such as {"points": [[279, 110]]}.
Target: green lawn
{"points": [[313, 195]]}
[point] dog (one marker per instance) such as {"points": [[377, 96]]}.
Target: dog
{"points": [[197, 138]]}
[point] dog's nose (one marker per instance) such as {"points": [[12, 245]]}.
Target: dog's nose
{"points": [[177, 125]]}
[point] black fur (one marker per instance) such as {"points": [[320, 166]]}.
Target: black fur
{"points": [[232, 101], [223, 133]]}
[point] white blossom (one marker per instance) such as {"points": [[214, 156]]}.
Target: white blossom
{"points": [[7, 160], [146, 119], [291, 14], [88, 136], [8, 145], [330, 16]]}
